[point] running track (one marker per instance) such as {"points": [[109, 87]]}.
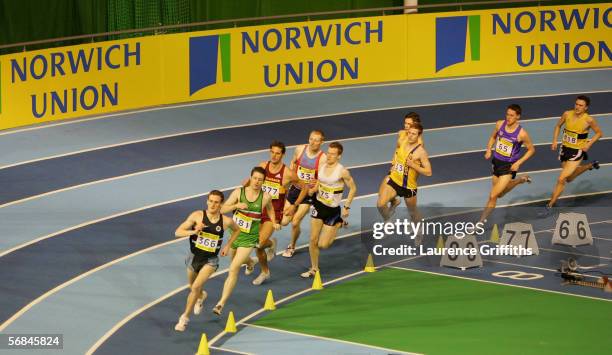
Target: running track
{"points": [[93, 245]]}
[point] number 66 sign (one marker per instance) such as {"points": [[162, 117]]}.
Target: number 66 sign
{"points": [[572, 229]]}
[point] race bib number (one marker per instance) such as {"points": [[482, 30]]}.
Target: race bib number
{"points": [[207, 242], [399, 168], [570, 137], [313, 211], [305, 174], [272, 189], [504, 147], [326, 194], [243, 222]]}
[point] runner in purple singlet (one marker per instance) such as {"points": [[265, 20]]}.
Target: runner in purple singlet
{"points": [[506, 141]]}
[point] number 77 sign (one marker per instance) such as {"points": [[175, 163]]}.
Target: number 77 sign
{"points": [[516, 234]]}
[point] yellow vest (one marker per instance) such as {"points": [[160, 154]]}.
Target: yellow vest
{"points": [[576, 130], [400, 173]]}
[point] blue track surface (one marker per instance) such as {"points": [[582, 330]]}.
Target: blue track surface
{"points": [[95, 245], [346, 257], [52, 174], [84, 308]]}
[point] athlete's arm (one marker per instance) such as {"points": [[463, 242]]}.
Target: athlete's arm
{"points": [[526, 140], [400, 137], [247, 181], [192, 225], [558, 126], [425, 167], [491, 141], [322, 160], [267, 202], [598, 134], [232, 202], [348, 180], [314, 188], [289, 178], [293, 179], [229, 223], [296, 155]]}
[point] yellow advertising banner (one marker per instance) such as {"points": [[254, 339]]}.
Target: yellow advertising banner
{"points": [[509, 40], [76, 81], [284, 57]]}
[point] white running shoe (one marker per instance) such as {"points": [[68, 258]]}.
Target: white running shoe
{"points": [[182, 324], [261, 278], [271, 251], [288, 253], [250, 268], [308, 274], [199, 305]]}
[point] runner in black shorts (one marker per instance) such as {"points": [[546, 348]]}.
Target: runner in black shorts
{"points": [[410, 119], [205, 231], [504, 145], [326, 214], [575, 144], [305, 165], [402, 191]]}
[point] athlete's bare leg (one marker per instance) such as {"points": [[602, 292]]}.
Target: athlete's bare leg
{"points": [[239, 257], [567, 169], [385, 194], [301, 211], [196, 283], [579, 170], [265, 231]]}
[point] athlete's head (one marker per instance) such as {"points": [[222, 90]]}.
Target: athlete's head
{"points": [[413, 133], [582, 104], [315, 140], [277, 150], [513, 114], [410, 119], [258, 175], [334, 151], [215, 200]]}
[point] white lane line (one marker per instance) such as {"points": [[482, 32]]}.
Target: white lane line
{"points": [[83, 275], [501, 283], [575, 253], [312, 91], [118, 325], [529, 266], [600, 238], [299, 118], [230, 350], [182, 165], [84, 224], [294, 295], [151, 304], [394, 351]]}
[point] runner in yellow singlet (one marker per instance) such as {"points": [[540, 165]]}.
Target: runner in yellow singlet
{"points": [[409, 119], [409, 161], [575, 144]]}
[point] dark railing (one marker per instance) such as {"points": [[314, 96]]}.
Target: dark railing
{"points": [[308, 16]]}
